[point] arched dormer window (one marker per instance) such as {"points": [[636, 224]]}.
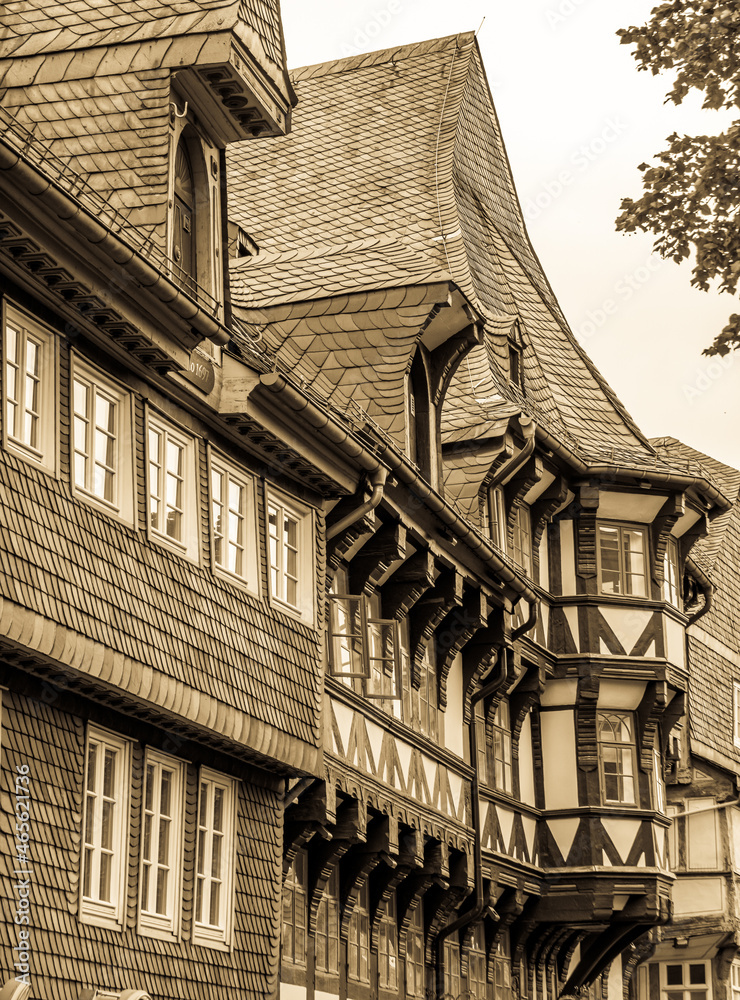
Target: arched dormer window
{"points": [[419, 423], [516, 347]]}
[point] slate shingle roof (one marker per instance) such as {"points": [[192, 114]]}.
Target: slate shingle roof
{"points": [[714, 643], [404, 146], [34, 27]]}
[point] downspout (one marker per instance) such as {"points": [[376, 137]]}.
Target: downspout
{"points": [[515, 463], [707, 588], [534, 613], [480, 906], [377, 480]]}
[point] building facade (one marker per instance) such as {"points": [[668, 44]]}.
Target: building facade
{"points": [[344, 607]]}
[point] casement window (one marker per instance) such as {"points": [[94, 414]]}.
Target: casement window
{"points": [[29, 389], [415, 975], [502, 769], [161, 843], [171, 487], [617, 757], [502, 969], [693, 839], [215, 859], [105, 828], [622, 559], [327, 928], [735, 980], [451, 951], [291, 556], [388, 946], [674, 862], [671, 574], [295, 911], [234, 523], [364, 648], [420, 711], [736, 713], [358, 938], [497, 517], [685, 981], [477, 966], [522, 547], [100, 443]]}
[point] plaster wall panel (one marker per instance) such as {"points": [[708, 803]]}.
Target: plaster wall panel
{"points": [[615, 983], [696, 896], [320, 995], [561, 692], [289, 992], [564, 832], [526, 763], [559, 759], [639, 507], [623, 695], [506, 822], [622, 833], [675, 641], [567, 557], [454, 728], [628, 624]]}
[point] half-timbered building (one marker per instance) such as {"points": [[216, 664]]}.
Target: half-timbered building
{"points": [[342, 604]]}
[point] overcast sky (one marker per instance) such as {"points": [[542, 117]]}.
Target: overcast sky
{"points": [[577, 119]]}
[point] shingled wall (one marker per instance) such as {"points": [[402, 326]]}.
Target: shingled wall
{"points": [[68, 955], [99, 578]]}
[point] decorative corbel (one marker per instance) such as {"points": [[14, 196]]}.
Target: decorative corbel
{"points": [[447, 356], [672, 715], [478, 657], [415, 885], [338, 547], [388, 878], [455, 632], [661, 529], [587, 749], [406, 586], [358, 863], [586, 562], [523, 698], [428, 613], [446, 901], [649, 714], [350, 829], [542, 511], [518, 487], [303, 819], [379, 554]]}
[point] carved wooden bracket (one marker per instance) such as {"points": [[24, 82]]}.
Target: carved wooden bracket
{"points": [[340, 545], [661, 528], [649, 714], [524, 697], [516, 490], [446, 902], [542, 510], [415, 885], [674, 712], [357, 864], [586, 542], [410, 581], [378, 555], [479, 655], [447, 356], [427, 614], [386, 879], [587, 751], [455, 632]]}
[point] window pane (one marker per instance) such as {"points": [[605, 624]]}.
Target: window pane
{"points": [[609, 553]]}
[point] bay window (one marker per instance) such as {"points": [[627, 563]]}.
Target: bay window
{"points": [[622, 560]]}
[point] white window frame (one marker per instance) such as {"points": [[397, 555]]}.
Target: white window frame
{"points": [[188, 544], [521, 550], [151, 923], [249, 575], [625, 576], [277, 571], [96, 383], [93, 909], [735, 980], [627, 748], [44, 453], [736, 713], [216, 935], [688, 991], [672, 574]]}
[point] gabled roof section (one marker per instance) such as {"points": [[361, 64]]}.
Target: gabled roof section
{"points": [[403, 145]]}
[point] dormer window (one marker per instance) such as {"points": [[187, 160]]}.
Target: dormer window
{"points": [[419, 433], [194, 240]]}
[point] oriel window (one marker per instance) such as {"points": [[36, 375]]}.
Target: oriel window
{"points": [[617, 757]]}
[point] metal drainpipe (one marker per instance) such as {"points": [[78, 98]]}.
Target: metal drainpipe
{"points": [[474, 914], [377, 479], [534, 613]]}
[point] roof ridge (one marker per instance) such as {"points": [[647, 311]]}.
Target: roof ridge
{"points": [[380, 56]]}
